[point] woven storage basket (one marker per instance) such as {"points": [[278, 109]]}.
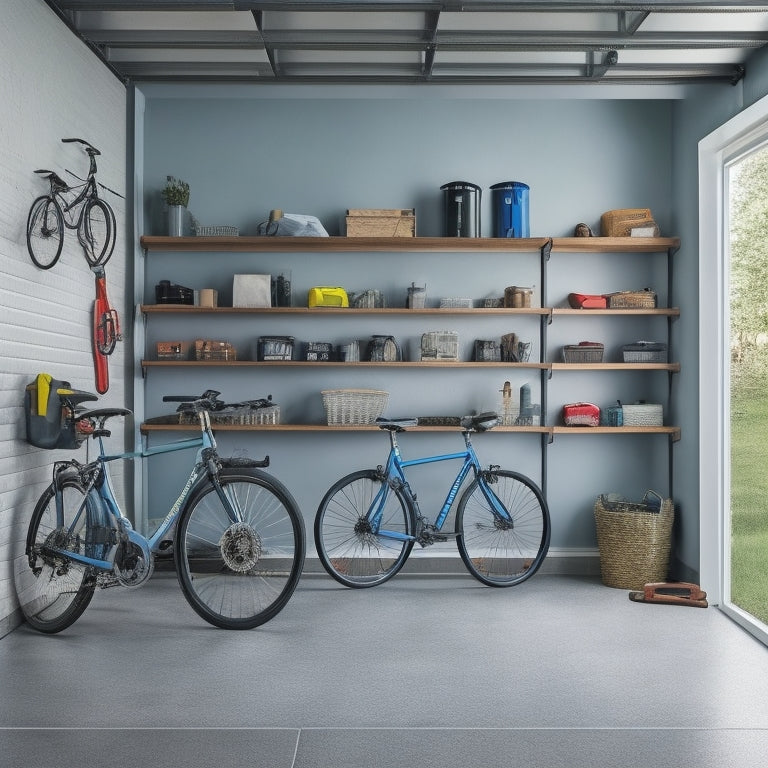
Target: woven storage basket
{"points": [[645, 299], [634, 542], [353, 406]]}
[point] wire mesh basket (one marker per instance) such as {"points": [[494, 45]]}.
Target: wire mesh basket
{"points": [[583, 352], [634, 539], [201, 231], [353, 406]]}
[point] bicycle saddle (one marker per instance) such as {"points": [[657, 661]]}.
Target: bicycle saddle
{"points": [[396, 425], [481, 422], [53, 176], [104, 413]]}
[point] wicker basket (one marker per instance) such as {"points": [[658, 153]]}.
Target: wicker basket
{"points": [[645, 299], [634, 541], [353, 406]]}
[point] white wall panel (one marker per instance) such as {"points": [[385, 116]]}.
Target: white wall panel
{"points": [[51, 87]]}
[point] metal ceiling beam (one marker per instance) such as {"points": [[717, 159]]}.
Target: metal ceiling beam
{"points": [[507, 6], [258, 17], [493, 40], [366, 39]]}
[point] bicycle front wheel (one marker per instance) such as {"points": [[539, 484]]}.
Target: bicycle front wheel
{"points": [[238, 575], [45, 232], [348, 548], [53, 591], [97, 231], [502, 552]]}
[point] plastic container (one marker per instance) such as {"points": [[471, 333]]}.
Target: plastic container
{"points": [[462, 209], [510, 209]]}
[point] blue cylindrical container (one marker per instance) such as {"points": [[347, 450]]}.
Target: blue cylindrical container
{"points": [[510, 209]]}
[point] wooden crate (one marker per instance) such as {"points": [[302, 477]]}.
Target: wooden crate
{"points": [[381, 222]]}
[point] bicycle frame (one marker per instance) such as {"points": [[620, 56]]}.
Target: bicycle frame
{"points": [[394, 471], [73, 216], [104, 504]]}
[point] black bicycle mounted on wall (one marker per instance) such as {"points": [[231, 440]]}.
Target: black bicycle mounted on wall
{"points": [[77, 207]]}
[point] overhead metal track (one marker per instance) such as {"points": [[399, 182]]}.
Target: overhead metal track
{"points": [[475, 41]]}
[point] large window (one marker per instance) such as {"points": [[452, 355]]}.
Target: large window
{"points": [[733, 165]]}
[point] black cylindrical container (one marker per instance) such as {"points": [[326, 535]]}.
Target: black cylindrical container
{"points": [[462, 209]]}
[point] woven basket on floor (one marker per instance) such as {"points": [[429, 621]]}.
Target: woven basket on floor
{"points": [[634, 542]]}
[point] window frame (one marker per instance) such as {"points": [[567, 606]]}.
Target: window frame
{"points": [[736, 138]]}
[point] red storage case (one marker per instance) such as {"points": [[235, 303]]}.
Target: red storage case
{"points": [[581, 415], [587, 301]]}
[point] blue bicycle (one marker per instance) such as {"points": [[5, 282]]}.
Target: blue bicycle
{"points": [[368, 522], [235, 532]]}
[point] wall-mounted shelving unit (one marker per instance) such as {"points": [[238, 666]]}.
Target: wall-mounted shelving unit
{"points": [[542, 247]]}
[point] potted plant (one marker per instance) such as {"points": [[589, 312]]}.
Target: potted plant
{"points": [[176, 195]]}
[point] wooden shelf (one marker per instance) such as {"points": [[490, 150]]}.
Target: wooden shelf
{"points": [[150, 428], [661, 311], [341, 244], [409, 244], [361, 364], [671, 367], [189, 309], [672, 432]]}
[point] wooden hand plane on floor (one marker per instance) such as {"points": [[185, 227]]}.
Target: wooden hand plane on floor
{"points": [[671, 593]]}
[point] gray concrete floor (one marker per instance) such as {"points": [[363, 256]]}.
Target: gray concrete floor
{"points": [[560, 671]]}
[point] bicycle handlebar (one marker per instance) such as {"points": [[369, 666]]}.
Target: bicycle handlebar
{"points": [[85, 143]]}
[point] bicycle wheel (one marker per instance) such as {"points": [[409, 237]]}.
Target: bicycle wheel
{"points": [[348, 549], [96, 232], [54, 591], [497, 552], [240, 575], [45, 232]]}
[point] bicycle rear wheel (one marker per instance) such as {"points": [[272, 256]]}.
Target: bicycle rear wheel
{"points": [[45, 232], [240, 575], [97, 231], [53, 591], [348, 549], [497, 552]]}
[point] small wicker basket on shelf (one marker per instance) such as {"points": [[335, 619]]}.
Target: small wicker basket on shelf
{"points": [[634, 540], [645, 299], [353, 406]]}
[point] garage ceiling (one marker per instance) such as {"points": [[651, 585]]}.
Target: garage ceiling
{"points": [[531, 41]]}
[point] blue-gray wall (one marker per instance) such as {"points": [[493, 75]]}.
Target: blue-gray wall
{"points": [[245, 151]]}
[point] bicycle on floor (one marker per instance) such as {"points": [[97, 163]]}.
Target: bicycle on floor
{"points": [[367, 523], [235, 532], [76, 207]]}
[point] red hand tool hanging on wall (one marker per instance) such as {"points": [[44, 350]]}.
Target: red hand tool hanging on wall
{"points": [[106, 331]]}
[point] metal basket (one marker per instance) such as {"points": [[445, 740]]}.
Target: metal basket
{"points": [[353, 406], [455, 302], [645, 352], [586, 352], [216, 231], [634, 540]]}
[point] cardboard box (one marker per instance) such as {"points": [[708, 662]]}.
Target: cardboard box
{"points": [[252, 291], [172, 350], [381, 222]]}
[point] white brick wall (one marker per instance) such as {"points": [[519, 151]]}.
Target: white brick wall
{"points": [[51, 87]]}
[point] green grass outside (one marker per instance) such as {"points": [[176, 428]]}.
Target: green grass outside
{"points": [[749, 496]]}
